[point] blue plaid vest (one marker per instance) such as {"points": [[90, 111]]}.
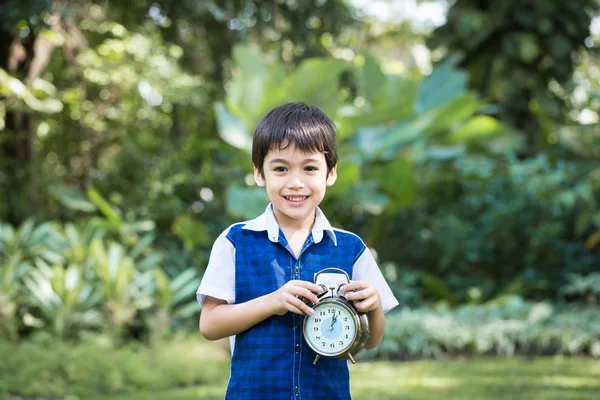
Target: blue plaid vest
{"points": [[271, 360]]}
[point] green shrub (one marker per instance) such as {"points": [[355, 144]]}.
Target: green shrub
{"points": [[484, 227], [55, 369], [506, 326], [71, 279]]}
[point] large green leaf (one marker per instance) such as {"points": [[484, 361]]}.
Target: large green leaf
{"points": [[477, 127], [370, 79], [246, 202], [384, 142], [231, 129], [71, 198], [398, 183], [106, 209], [453, 113], [347, 175], [441, 86], [248, 61], [316, 81], [394, 103]]}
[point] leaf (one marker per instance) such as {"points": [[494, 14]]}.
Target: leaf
{"points": [[192, 308], [384, 142], [246, 202], [523, 45], [71, 198], [453, 113], [347, 176], [399, 183], [184, 277], [232, 130], [105, 208], [592, 241], [248, 61], [370, 78], [443, 84], [368, 197], [316, 81], [480, 126], [144, 243]]}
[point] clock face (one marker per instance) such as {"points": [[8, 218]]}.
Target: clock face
{"points": [[331, 329]]}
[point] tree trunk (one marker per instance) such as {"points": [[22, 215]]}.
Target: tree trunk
{"points": [[16, 142]]}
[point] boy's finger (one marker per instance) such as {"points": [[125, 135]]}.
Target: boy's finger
{"points": [[356, 285], [356, 296], [309, 297], [302, 307], [364, 304], [310, 286]]}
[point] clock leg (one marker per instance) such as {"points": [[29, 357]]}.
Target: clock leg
{"points": [[351, 358], [316, 358]]}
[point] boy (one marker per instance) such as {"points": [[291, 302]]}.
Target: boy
{"points": [[260, 270]]}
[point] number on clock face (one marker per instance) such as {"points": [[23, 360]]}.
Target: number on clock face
{"points": [[331, 329]]}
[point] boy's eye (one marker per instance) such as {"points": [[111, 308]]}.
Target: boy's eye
{"points": [[279, 169], [311, 168]]}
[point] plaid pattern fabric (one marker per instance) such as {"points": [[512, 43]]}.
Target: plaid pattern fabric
{"points": [[271, 360]]}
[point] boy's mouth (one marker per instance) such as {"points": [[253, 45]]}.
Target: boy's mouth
{"points": [[295, 199]]}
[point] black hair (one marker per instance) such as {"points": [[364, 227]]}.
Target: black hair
{"points": [[306, 127]]}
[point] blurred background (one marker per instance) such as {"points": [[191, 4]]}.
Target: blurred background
{"points": [[470, 163]]}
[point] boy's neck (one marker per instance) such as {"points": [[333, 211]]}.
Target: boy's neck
{"points": [[293, 228]]}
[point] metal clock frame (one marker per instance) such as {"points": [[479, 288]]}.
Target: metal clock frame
{"points": [[361, 323]]}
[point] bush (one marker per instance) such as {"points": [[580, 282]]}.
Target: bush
{"points": [[484, 227], [55, 369], [70, 279], [506, 327]]}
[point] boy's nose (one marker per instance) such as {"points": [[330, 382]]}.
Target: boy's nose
{"points": [[295, 182]]}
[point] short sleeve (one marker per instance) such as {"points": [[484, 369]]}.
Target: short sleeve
{"points": [[365, 268], [219, 279]]}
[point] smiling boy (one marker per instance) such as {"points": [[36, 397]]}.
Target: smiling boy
{"points": [[260, 269]]}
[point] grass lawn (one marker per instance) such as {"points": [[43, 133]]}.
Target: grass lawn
{"points": [[467, 379]]}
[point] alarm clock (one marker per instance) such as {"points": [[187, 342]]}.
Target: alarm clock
{"points": [[336, 329]]}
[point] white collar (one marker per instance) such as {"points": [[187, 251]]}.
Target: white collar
{"points": [[267, 222]]}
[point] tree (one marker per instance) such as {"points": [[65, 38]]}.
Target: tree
{"points": [[519, 55], [24, 53]]}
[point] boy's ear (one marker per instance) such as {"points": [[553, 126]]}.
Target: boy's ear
{"points": [[258, 178], [332, 176]]}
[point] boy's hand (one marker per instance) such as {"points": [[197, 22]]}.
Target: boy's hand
{"points": [[365, 297], [289, 297]]}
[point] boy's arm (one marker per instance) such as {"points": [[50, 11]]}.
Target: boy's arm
{"points": [[219, 319], [376, 327]]}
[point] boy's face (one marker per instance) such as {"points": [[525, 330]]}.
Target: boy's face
{"points": [[295, 182]]}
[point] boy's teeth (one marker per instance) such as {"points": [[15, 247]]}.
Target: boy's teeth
{"points": [[296, 198]]}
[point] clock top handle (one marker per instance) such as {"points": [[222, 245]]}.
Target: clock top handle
{"points": [[341, 271]]}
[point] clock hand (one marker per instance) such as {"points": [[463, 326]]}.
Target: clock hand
{"points": [[333, 319]]}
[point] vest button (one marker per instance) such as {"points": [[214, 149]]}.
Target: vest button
{"points": [[297, 348], [296, 391], [297, 270]]}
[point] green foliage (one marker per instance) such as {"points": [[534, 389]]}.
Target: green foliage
{"points": [[185, 368], [484, 227], [505, 326], [520, 57], [384, 136], [40, 96], [68, 280], [585, 288], [97, 367], [14, 11]]}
